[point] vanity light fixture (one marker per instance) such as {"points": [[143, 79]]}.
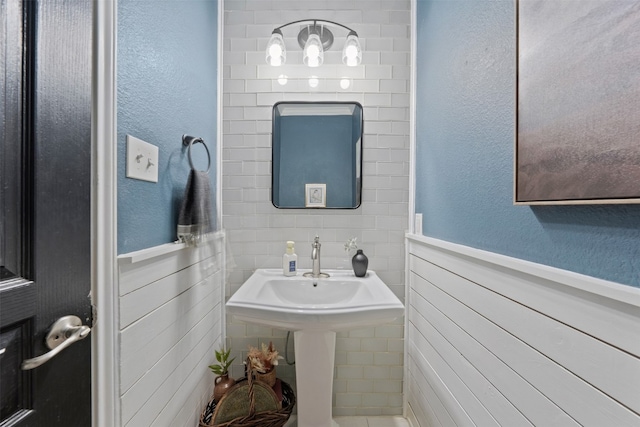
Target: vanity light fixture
{"points": [[314, 38]]}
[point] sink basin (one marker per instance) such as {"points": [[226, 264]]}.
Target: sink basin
{"points": [[339, 302], [314, 309]]}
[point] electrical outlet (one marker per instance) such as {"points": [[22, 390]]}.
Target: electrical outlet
{"points": [[142, 160]]}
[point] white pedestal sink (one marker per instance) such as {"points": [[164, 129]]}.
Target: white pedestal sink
{"points": [[315, 309]]}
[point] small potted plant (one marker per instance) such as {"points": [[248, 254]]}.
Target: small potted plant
{"points": [[222, 382], [264, 362]]}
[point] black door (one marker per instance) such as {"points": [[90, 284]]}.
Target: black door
{"points": [[45, 173]]}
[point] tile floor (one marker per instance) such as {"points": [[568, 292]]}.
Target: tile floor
{"points": [[394, 421]]}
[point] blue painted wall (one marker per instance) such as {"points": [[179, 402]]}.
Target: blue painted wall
{"points": [[167, 86], [466, 86]]}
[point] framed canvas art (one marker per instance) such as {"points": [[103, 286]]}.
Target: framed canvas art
{"points": [[578, 102]]}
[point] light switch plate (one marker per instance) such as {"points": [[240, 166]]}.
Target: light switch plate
{"points": [[142, 160]]}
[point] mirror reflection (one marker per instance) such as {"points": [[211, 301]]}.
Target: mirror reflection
{"points": [[317, 155]]}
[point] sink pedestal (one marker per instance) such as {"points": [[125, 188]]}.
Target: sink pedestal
{"points": [[315, 309], [315, 358]]}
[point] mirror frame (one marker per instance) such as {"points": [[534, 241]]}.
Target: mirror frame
{"points": [[359, 161]]}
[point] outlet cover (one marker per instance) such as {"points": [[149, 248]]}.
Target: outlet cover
{"points": [[142, 160]]}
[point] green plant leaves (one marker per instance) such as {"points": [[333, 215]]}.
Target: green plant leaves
{"points": [[222, 357]]}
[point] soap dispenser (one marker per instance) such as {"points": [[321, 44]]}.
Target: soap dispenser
{"points": [[289, 260]]}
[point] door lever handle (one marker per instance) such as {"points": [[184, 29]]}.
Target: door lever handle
{"points": [[64, 332]]}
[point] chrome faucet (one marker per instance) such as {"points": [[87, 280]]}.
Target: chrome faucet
{"points": [[315, 261]]}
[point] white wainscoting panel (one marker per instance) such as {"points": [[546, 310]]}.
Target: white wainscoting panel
{"points": [[497, 341], [170, 322]]}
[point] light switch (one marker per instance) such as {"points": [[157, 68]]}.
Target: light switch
{"points": [[142, 160]]}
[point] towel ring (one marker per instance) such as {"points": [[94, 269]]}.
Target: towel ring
{"points": [[188, 141]]}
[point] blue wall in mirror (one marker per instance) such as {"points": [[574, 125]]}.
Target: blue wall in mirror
{"points": [[317, 148]]}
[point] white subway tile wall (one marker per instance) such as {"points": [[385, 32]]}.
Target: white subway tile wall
{"points": [[369, 371]]}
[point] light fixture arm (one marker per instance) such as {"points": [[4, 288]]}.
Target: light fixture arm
{"points": [[314, 21]]}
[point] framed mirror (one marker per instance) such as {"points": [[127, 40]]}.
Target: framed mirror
{"points": [[316, 157]]}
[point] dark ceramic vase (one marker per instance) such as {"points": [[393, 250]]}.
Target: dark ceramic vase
{"points": [[360, 262]]}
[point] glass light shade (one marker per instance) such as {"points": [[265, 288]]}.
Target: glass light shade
{"points": [[276, 54], [313, 55], [352, 53]]}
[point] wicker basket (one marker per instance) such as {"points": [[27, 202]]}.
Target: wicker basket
{"points": [[275, 418]]}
